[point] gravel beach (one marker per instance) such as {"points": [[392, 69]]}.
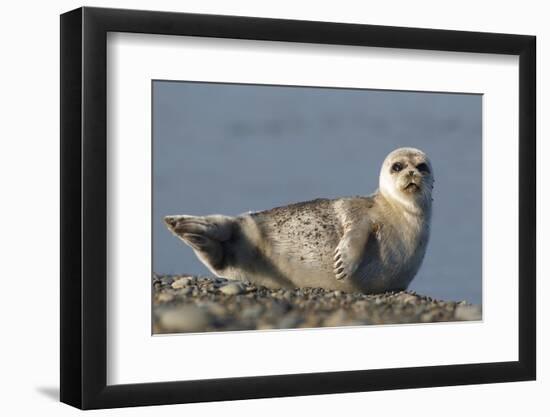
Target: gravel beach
{"points": [[184, 303]]}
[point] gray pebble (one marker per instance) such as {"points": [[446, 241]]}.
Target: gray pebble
{"points": [[184, 291], [181, 282], [165, 297], [251, 312], [338, 318], [187, 318], [232, 288], [407, 298], [289, 322], [467, 312], [213, 308]]}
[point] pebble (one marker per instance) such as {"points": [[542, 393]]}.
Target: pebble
{"points": [[338, 318], [251, 312], [361, 305], [216, 309], [232, 289], [407, 298], [467, 312], [289, 322], [186, 318], [184, 291], [165, 297], [181, 282]]}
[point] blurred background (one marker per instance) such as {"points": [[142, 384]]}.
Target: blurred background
{"points": [[231, 148]]}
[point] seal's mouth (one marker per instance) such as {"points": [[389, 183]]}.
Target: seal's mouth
{"points": [[412, 187]]}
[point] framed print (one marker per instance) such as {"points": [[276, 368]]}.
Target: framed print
{"points": [[314, 207]]}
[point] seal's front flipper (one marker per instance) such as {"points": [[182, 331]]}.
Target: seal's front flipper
{"points": [[350, 250]]}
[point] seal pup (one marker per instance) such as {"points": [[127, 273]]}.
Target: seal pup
{"points": [[370, 244]]}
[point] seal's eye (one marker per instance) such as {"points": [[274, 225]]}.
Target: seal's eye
{"points": [[398, 166], [423, 168]]}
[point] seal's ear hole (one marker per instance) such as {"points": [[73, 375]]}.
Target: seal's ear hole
{"points": [[423, 168]]}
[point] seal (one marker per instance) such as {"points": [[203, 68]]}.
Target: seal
{"points": [[371, 244]]}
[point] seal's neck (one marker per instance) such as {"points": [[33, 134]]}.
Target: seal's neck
{"points": [[414, 211]]}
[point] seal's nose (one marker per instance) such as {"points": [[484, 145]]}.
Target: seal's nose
{"points": [[411, 173]]}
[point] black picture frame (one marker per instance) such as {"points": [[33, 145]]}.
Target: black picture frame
{"points": [[84, 207]]}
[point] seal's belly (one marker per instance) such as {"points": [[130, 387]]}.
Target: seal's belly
{"points": [[385, 266]]}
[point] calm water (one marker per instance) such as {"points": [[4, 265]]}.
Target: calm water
{"points": [[228, 149]]}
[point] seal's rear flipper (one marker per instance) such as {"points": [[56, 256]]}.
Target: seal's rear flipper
{"points": [[204, 234]]}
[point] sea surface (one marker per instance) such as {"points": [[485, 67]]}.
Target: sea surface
{"points": [[229, 149]]}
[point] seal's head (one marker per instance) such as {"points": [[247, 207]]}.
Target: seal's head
{"points": [[407, 178]]}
